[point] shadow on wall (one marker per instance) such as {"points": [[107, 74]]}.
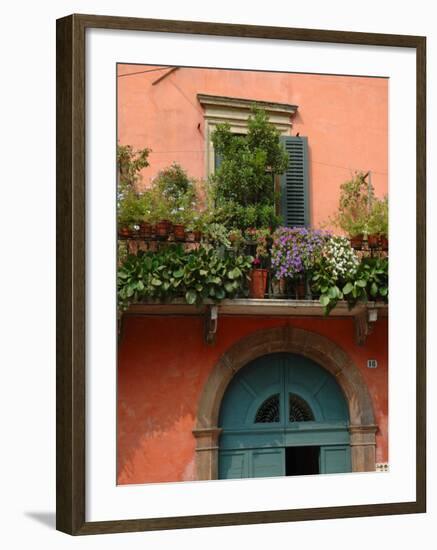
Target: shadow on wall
{"points": [[158, 389]]}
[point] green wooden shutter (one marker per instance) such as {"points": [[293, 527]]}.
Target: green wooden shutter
{"points": [[294, 183]]}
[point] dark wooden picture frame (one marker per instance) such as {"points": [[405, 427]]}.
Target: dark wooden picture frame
{"points": [[71, 253]]}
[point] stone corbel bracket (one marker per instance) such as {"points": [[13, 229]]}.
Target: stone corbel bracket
{"points": [[211, 323], [363, 324]]}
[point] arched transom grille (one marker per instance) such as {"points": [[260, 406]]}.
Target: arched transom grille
{"points": [[269, 410], [299, 410]]}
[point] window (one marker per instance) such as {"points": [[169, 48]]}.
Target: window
{"points": [[293, 184]]}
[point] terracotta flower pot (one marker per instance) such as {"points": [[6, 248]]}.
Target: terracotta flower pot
{"points": [[357, 242], [299, 290], [384, 242], [279, 287], [163, 229], [145, 230], [373, 241], [179, 231], [258, 283], [197, 236], [124, 232]]}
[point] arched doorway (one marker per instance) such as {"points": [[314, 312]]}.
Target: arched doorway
{"points": [[283, 414], [287, 339]]}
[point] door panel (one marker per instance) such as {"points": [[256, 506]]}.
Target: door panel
{"points": [[335, 459], [268, 462], [233, 465]]}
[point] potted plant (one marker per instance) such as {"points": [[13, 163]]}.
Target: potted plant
{"points": [[130, 162], [129, 214], [373, 240], [146, 206], [336, 266], [356, 198], [379, 221], [176, 191], [198, 223], [236, 238], [260, 238], [179, 219], [374, 226], [358, 229], [295, 252], [160, 215]]}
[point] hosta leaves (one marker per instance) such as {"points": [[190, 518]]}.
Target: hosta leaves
{"points": [[220, 294], [234, 273], [333, 292], [191, 296], [230, 287], [347, 288], [174, 272], [373, 289]]}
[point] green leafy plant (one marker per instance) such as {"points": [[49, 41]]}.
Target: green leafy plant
{"points": [[130, 163], [131, 205], [356, 198], [336, 264], [378, 219], [370, 282], [211, 275], [236, 239], [150, 275], [174, 183], [174, 196], [130, 210], [199, 274], [217, 234], [340, 275], [245, 177], [262, 240], [237, 216]]}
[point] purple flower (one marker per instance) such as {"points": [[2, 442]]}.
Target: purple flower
{"points": [[295, 249]]}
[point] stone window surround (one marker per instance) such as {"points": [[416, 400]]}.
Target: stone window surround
{"points": [[236, 111], [320, 349]]}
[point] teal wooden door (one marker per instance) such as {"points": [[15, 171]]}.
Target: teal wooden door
{"points": [[279, 414]]}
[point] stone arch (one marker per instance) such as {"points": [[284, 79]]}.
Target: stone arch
{"points": [[293, 340]]}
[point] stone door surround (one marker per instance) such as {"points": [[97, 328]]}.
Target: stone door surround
{"points": [[292, 340]]}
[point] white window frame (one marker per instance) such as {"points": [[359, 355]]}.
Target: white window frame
{"points": [[236, 112]]}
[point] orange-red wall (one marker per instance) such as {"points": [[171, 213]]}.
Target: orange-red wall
{"points": [[164, 364], [345, 119]]}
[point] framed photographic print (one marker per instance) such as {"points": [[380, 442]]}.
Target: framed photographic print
{"points": [[234, 345]]}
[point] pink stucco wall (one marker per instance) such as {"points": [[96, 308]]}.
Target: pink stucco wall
{"points": [[345, 119]]}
